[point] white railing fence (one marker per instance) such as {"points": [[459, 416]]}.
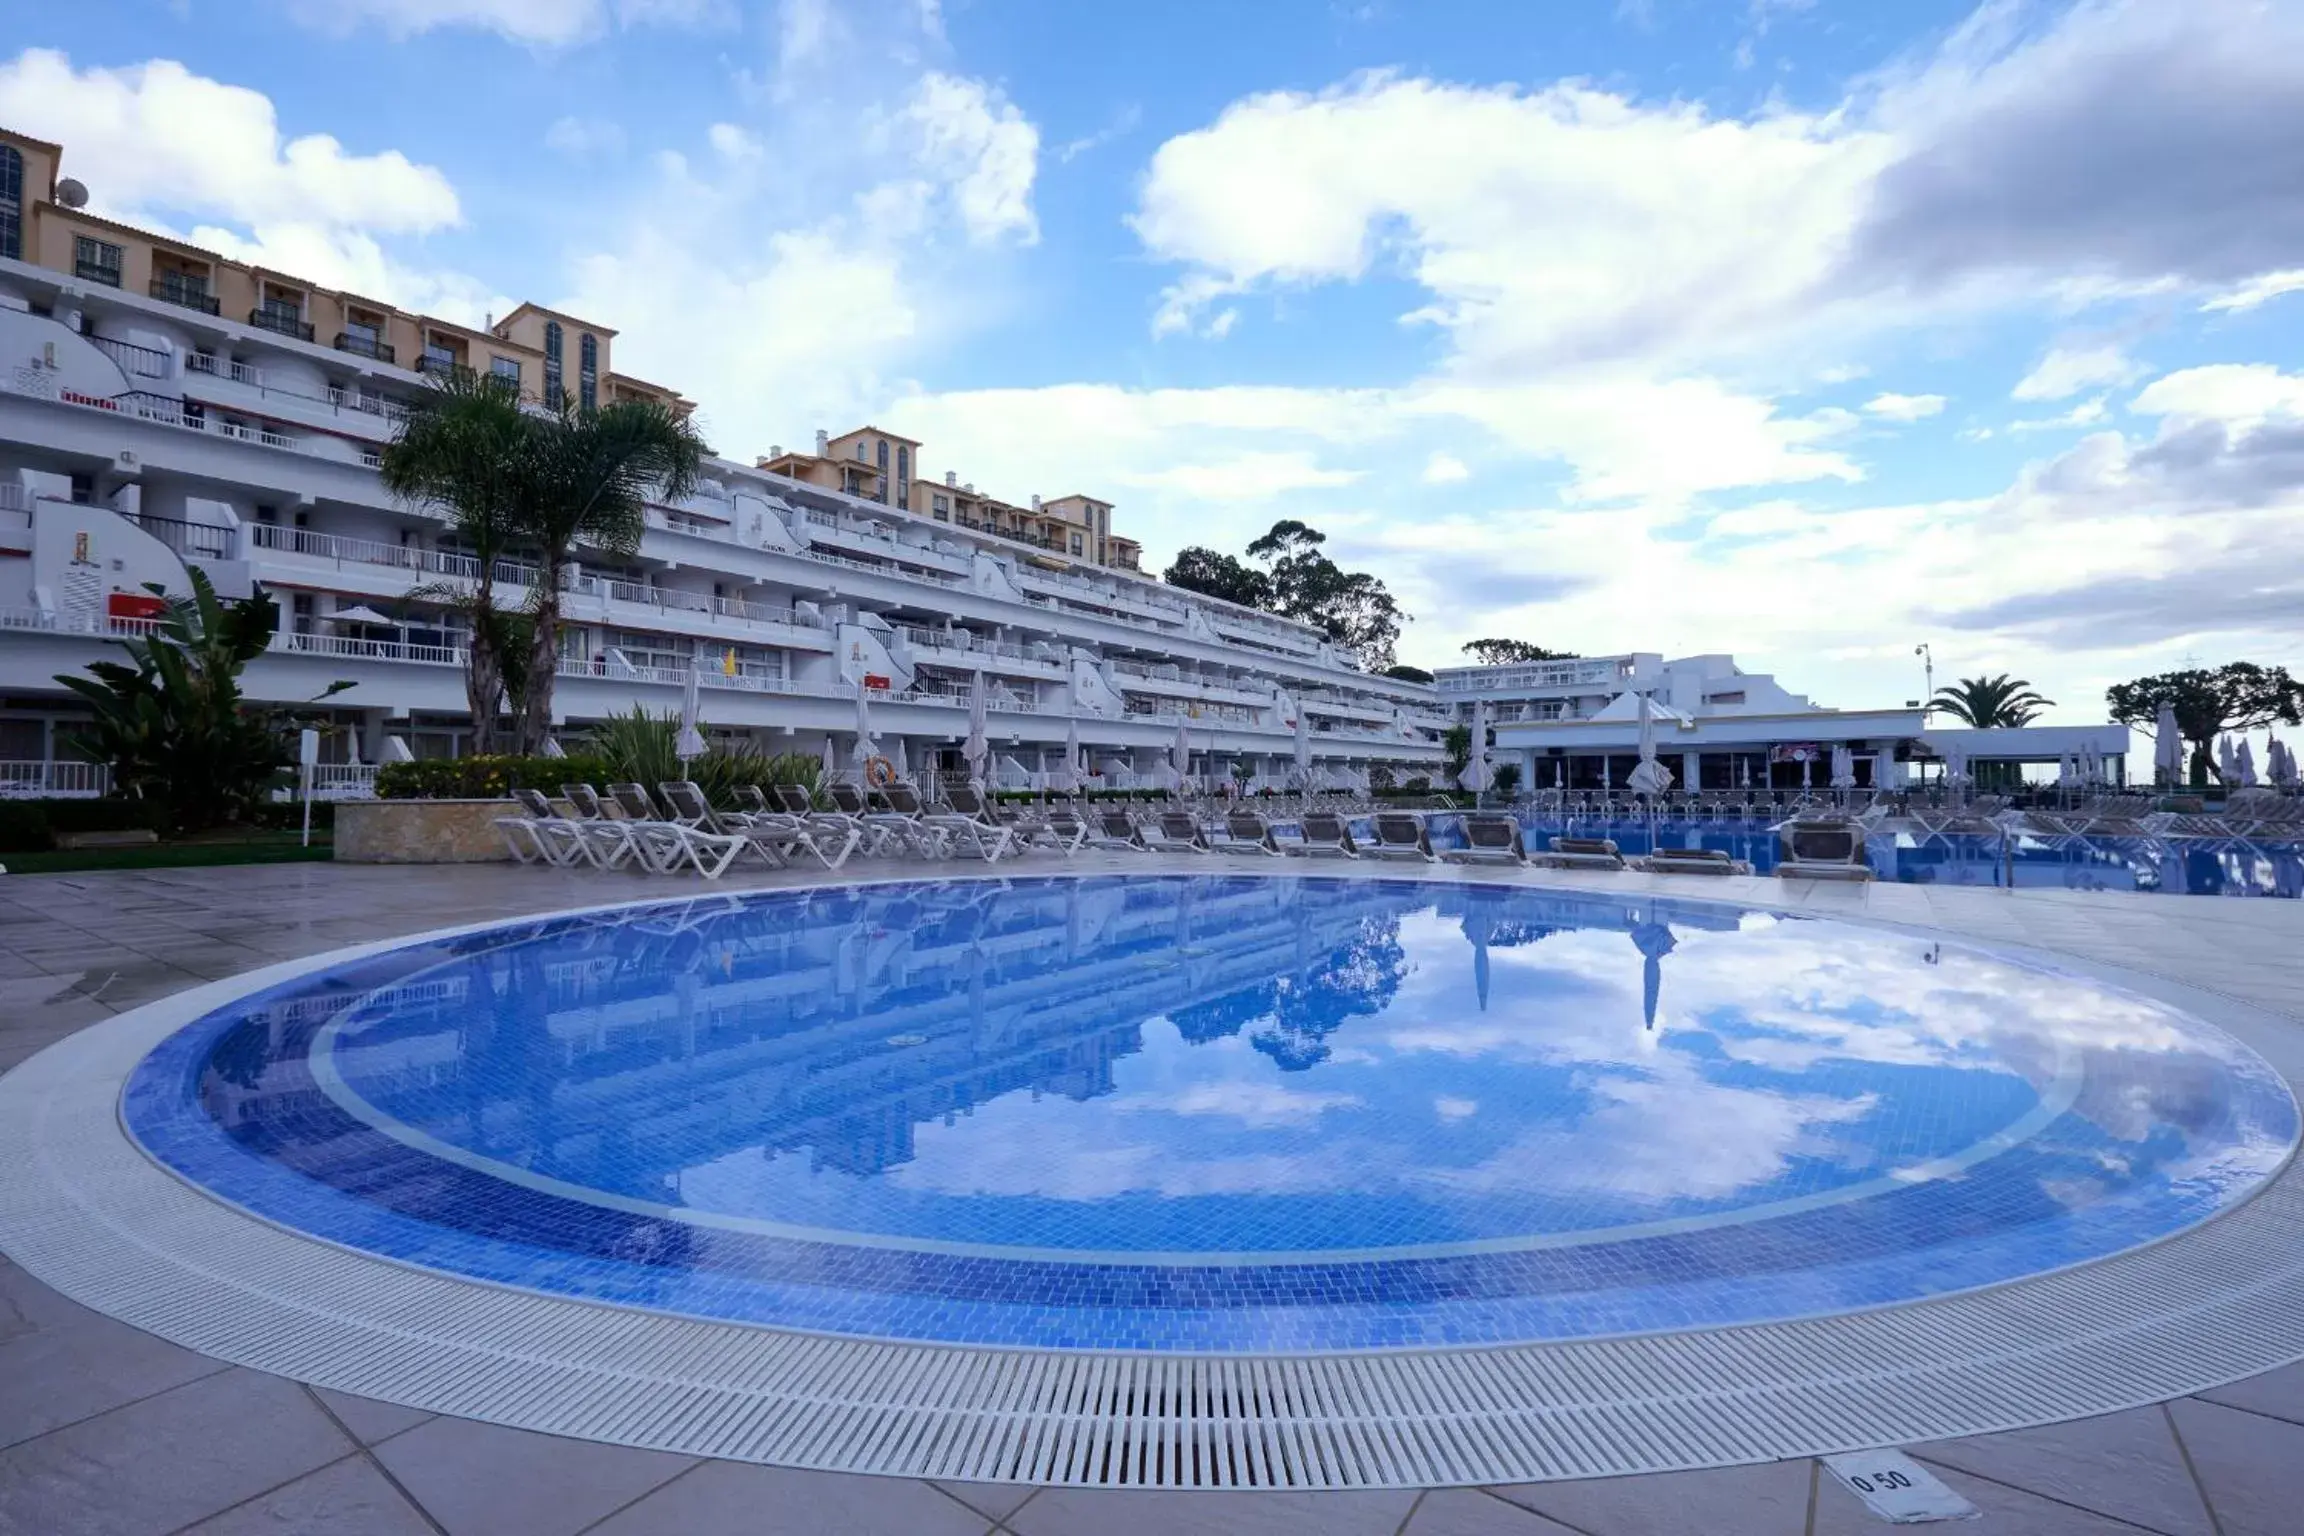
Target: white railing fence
{"points": [[34, 780]]}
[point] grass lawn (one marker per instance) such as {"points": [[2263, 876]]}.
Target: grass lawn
{"points": [[237, 846]]}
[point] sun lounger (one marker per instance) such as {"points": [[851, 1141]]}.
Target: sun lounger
{"points": [[542, 835], [1693, 861], [969, 826], [1490, 837], [1114, 828], [1326, 835], [776, 839], [836, 836], [1818, 849], [1581, 853], [608, 840], [1401, 835], [1248, 834], [666, 845], [1176, 832]]}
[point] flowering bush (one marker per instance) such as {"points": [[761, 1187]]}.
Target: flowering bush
{"points": [[486, 778]]}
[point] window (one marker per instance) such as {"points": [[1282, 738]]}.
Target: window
{"points": [[903, 476], [1075, 543], [507, 369], [11, 203], [588, 372], [940, 504], [96, 261], [552, 362], [883, 496]]}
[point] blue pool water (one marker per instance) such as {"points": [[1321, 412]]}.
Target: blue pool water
{"points": [[2156, 866], [1215, 1114]]}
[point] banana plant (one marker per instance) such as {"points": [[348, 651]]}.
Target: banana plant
{"points": [[171, 720]]}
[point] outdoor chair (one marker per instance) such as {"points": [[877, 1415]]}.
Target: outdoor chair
{"points": [[970, 827], [1326, 835], [1115, 828], [772, 838], [1582, 853], [1058, 826], [1490, 837], [829, 828], [666, 844], [1249, 835], [543, 835], [608, 840], [1819, 849], [1693, 861], [1401, 835], [1176, 831], [910, 821]]}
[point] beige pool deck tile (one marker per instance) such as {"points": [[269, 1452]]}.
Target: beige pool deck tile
{"points": [[1472, 1512], [2001, 1511], [483, 1480], [1124, 1512], [61, 1363], [2247, 1465], [345, 1498], [725, 1498], [162, 1463], [1770, 1500], [2126, 1465], [370, 1420], [2277, 1394]]}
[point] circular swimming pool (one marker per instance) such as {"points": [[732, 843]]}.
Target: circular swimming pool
{"points": [[1210, 1114]]}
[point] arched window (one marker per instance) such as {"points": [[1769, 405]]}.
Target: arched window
{"points": [[588, 372], [11, 202], [552, 364]]}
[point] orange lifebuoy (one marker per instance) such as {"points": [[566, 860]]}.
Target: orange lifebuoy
{"points": [[879, 772]]}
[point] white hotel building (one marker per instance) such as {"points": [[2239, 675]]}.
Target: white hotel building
{"points": [[161, 407]]}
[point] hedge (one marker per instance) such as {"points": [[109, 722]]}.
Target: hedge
{"points": [[32, 826], [486, 778]]}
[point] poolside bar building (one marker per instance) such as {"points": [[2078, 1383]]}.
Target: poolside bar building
{"points": [[1575, 724]]}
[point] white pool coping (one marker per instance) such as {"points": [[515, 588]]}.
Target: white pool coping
{"points": [[84, 1210]]}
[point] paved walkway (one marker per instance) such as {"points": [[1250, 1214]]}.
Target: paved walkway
{"points": [[104, 1429]]}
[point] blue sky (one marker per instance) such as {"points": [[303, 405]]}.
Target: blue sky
{"points": [[1804, 330]]}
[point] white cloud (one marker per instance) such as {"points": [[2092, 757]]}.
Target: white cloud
{"points": [[154, 139], [162, 147], [822, 241], [984, 149], [733, 143], [2238, 394], [585, 138], [2066, 370], [1445, 469], [2086, 414], [1893, 407], [540, 23], [1245, 477], [2256, 291]]}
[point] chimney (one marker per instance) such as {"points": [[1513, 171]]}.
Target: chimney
{"points": [[823, 443], [951, 477], [1035, 501], [970, 487], [775, 450]]}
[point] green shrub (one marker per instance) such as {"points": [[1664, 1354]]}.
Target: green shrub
{"points": [[32, 826], [487, 778]]}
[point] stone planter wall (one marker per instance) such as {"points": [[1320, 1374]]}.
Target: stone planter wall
{"points": [[421, 831]]}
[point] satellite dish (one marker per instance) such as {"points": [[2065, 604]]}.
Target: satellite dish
{"points": [[71, 194]]}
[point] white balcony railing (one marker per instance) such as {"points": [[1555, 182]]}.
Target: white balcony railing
{"points": [[49, 621], [345, 648], [35, 780]]}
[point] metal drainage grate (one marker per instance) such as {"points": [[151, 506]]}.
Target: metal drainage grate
{"points": [[86, 1212]]}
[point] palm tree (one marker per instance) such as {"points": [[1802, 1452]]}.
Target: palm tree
{"points": [[518, 480], [1991, 701], [463, 451], [590, 476]]}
